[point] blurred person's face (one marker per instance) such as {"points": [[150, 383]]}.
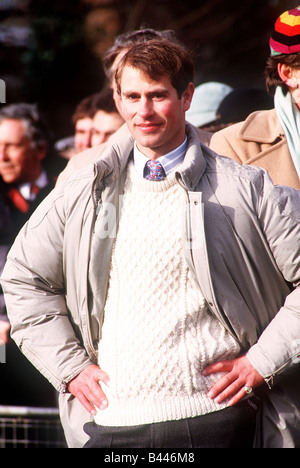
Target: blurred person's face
{"points": [[20, 160], [104, 125], [83, 133], [296, 91], [291, 77]]}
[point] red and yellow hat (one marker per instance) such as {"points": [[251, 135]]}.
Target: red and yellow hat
{"points": [[285, 38]]}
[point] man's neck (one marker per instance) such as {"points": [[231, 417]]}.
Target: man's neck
{"points": [[169, 161]]}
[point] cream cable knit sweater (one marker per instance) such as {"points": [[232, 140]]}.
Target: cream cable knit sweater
{"points": [[157, 334]]}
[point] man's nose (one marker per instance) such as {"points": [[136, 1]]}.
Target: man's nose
{"points": [[102, 138], [3, 152], [87, 142], [145, 108]]}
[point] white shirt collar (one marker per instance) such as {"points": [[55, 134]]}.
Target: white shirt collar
{"points": [[169, 161], [41, 182]]}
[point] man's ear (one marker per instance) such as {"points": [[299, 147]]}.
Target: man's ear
{"points": [[188, 96], [286, 73]]}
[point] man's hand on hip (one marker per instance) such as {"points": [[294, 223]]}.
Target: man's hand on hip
{"points": [[86, 388], [240, 378]]}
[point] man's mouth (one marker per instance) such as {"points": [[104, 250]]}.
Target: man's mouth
{"points": [[6, 168], [148, 126]]}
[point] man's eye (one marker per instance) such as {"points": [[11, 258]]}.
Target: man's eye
{"points": [[13, 146], [159, 96], [133, 97]]}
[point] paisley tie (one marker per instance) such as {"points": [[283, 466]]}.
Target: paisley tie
{"points": [[156, 171]]}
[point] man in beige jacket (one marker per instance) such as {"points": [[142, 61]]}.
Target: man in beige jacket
{"points": [[269, 139], [235, 238]]}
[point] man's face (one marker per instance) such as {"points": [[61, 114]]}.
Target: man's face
{"points": [[104, 125], [153, 112], [296, 90], [83, 133], [20, 161]]}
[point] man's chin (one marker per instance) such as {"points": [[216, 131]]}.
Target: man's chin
{"points": [[8, 179]]}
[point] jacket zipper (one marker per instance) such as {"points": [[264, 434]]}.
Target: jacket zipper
{"points": [[270, 378], [91, 348], [210, 305]]}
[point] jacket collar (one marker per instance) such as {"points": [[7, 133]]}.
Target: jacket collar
{"points": [[115, 159], [262, 127], [194, 164]]}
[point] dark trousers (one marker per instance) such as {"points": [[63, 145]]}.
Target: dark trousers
{"points": [[228, 428]]}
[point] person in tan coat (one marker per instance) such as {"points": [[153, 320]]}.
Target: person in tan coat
{"points": [[269, 139]]}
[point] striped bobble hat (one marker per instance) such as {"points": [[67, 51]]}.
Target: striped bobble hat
{"points": [[285, 38]]}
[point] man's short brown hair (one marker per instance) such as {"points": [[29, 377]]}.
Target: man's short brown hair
{"points": [[126, 40], [158, 58], [271, 73]]}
